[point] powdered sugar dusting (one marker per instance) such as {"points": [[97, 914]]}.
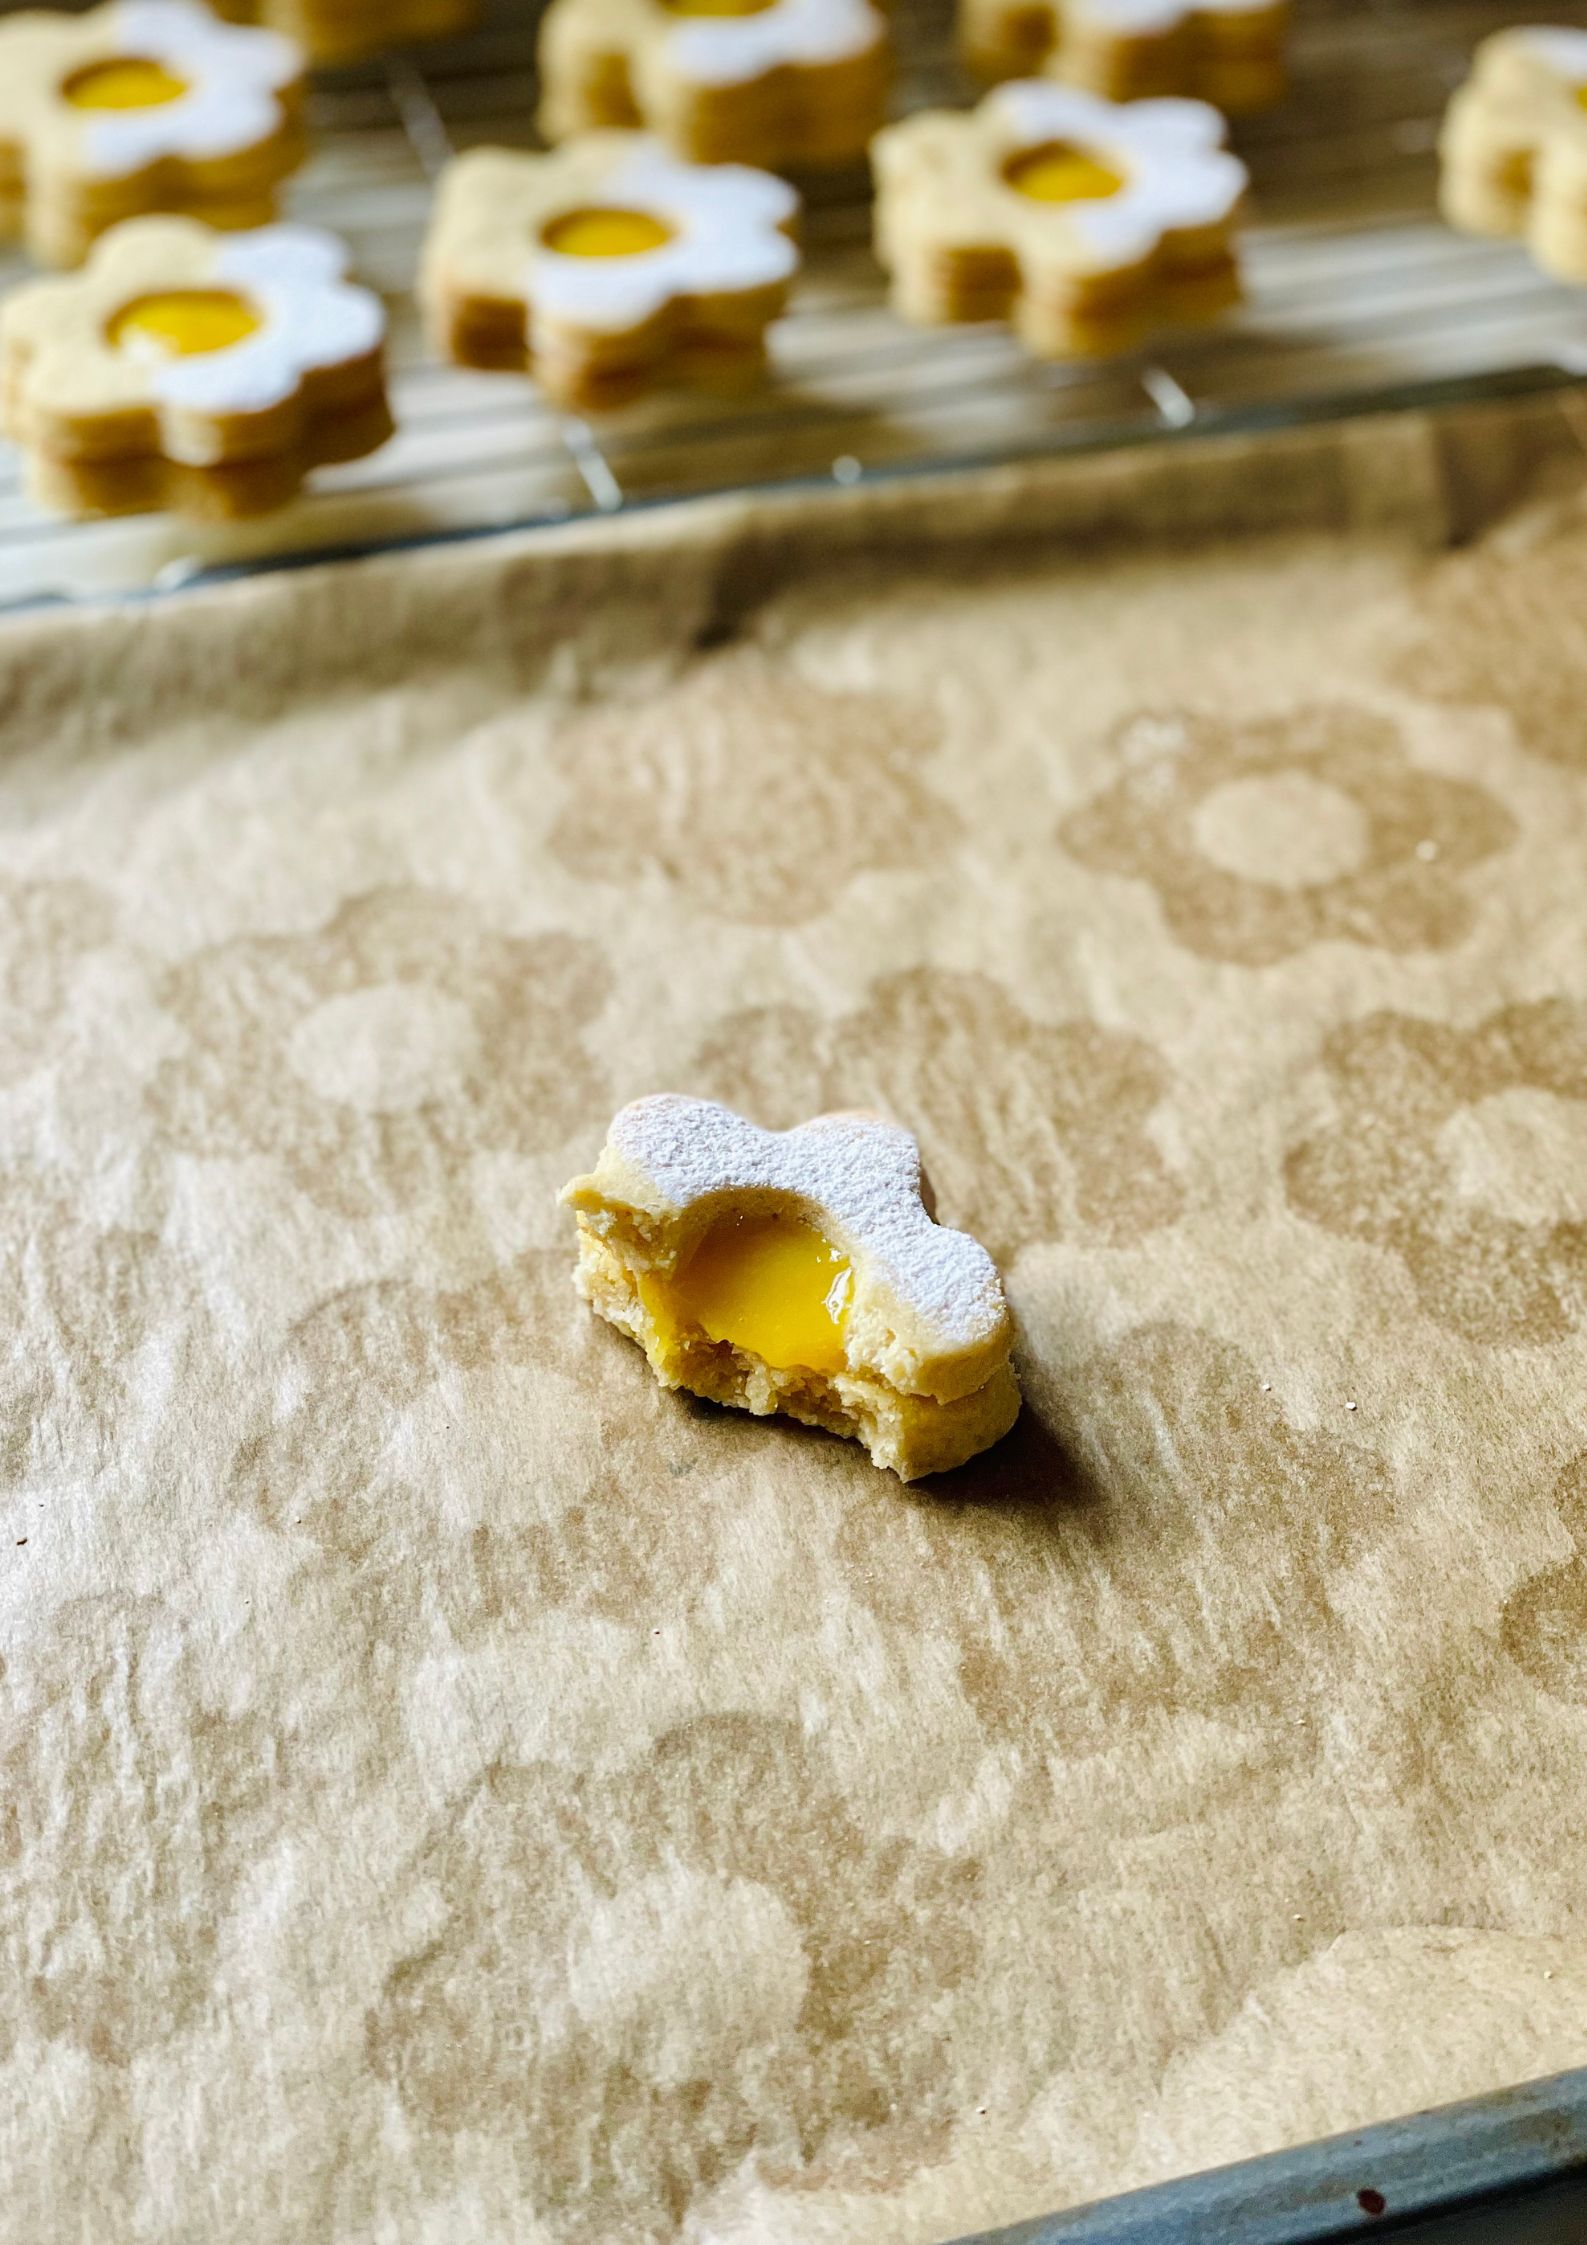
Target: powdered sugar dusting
{"points": [[863, 1172]]}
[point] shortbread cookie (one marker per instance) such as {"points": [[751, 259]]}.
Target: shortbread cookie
{"points": [[144, 105], [335, 31], [799, 1272], [785, 83], [1086, 223], [1514, 146], [188, 369], [608, 266], [1228, 52]]}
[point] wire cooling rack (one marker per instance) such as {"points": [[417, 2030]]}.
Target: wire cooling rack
{"points": [[1358, 296]]}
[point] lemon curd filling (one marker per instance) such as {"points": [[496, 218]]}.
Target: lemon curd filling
{"points": [[124, 82], [716, 7], [606, 233], [181, 323], [771, 1285], [1058, 173]]}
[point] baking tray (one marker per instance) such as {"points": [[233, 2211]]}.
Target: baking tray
{"points": [[1510, 2169], [1359, 299]]}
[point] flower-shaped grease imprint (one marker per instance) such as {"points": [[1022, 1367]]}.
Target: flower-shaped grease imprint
{"points": [[139, 106], [798, 1272], [188, 368], [1086, 223], [1513, 149], [1228, 52], [608, 266], [789, 83]]}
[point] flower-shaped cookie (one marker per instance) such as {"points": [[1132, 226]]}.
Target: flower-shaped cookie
{"points": [[1228, 52], [1514, 146], [143, 105], [798, 1271], [778, 82], [335, 31], [607, 266], [188, 368], [1085, 222]]}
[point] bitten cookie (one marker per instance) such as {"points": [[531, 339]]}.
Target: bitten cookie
{"points": [[1513, 149], [1228, 52], [188, 369], [144, 105], [798, 1271], [1084, 223], [333, 31], [787, 83], [607, 267]]}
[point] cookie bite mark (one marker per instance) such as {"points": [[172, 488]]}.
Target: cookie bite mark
{"points": [[1085, 223], [798, 1272], [608, 267]]}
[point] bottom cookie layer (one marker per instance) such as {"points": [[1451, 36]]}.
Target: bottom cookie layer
{"points": [[149, 484], [492, 340]]}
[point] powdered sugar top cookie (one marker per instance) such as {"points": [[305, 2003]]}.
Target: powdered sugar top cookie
{"points": [[725, 224], [856, 1176], [1174, 170], [715, 230], [79, 341], [71, 95]]}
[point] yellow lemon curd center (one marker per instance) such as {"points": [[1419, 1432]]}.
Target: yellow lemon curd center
{"points": [[124, 82], [180, 323], [1058, 173], [715, 7], [773, 1286], [606, 233]]}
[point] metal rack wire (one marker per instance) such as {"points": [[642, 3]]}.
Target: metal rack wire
{"points": [[1357, 296]]}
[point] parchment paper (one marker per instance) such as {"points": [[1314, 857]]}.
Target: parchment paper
{"points": [[453, 1792]]}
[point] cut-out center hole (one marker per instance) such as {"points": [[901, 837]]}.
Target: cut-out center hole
{"points": [[772, 1285], [182, 323], [606, 233], [124, 82], [717, 7], [1058, 172]]}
